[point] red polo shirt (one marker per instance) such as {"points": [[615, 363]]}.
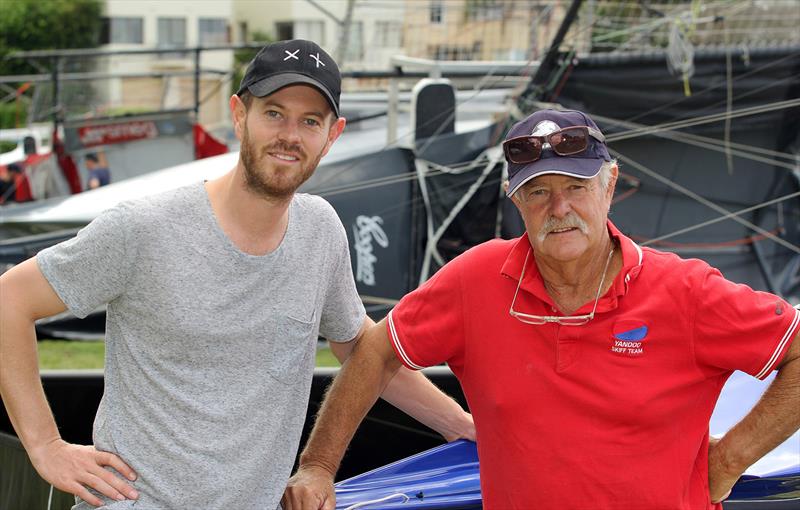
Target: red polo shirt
{"points": [[609, 415]]}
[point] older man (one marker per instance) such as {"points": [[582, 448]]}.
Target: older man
{"points": [[591, 365], [216, 295]]}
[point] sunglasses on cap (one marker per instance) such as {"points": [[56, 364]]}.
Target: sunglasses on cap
{"points": [[564, 142]]}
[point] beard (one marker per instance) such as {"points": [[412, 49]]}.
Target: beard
{"points": [[270, 180]]}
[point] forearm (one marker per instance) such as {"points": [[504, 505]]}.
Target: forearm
{"points": [[20, 382], [354, 390], [417, 396], [413, 393], [768, 424]]}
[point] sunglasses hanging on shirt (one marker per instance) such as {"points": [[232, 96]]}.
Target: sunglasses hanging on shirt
{"points": [[564, 142]]}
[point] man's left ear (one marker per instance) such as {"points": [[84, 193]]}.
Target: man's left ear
{"points": [[238, 114], [334, 132], [612, 181]]}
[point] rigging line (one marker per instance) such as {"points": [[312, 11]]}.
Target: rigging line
{"points": [[729, 102], [741, 146], [722, 218], [452, 115], [391, 179], [478, 88], [714, 87], [743, 95], [705, 119], [707, 203], [415, 201], [384, 181], [390, 144], [714, 145]]}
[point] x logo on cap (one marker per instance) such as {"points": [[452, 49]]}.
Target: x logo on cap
{"points": [[292, 54], [316, 57]]}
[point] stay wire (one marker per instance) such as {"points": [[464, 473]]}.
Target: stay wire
{"points": [[722, 218], [704, 119], [689, 193], [741, 150]]}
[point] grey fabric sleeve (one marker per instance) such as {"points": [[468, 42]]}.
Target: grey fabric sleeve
{"points": [[343, 312], [92, 268]]}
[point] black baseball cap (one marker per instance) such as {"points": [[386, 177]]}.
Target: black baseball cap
{"points": [[293, 62], [585, 165]]}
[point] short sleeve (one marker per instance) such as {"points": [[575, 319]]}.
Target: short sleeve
{"points": [[427, 328], [738, 328], [92, 268], [343, 312]]}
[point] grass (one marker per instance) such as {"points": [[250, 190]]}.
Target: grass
{"points": [[77, 355], [61, 354]]}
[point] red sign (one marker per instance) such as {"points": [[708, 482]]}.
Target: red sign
{"points": [[117, 133]]}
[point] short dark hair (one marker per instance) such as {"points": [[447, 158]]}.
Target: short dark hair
{"points": [[247, 98], [92, 157]]}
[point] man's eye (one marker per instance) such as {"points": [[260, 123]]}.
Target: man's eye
{"points": [[273, 114], [312, 122]]}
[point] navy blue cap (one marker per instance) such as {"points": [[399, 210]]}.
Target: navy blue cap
{"points": [[293, 62], [584, 165]]}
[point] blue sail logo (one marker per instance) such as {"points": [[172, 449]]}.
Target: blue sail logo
{"points": [[632, 335]]}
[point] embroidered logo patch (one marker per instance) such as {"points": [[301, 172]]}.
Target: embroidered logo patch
{"points": [[628, 337]]}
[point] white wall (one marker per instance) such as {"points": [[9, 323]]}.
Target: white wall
{"points": [[150, 10]]}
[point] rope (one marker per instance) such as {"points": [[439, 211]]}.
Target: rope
{"points": [[738, 149], [380, 500], [704, 201], [494, 155], [722, 218], [705, 119]]}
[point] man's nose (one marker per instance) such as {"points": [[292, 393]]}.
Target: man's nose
{"points": [[560, 205], [290, 133]]}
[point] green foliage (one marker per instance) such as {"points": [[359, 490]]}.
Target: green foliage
{"points": [[242, 57], [46, 24], [13, 115]]}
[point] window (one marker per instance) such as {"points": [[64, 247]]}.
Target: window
{"points": [[388, 34], [485, 10], [285, 30], [171, 32], [312, 30], [355, 46], [213, 31], [437, 11], [122, 31]]}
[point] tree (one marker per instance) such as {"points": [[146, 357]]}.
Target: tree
{"points": [[46, 24], [243, 57]]}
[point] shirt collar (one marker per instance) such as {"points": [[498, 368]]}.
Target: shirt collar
{"points": [[632, 261]]}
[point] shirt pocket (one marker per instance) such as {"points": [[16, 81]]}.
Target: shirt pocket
{"points": [[291, 348]]}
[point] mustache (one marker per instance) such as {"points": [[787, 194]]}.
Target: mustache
{"points": [[279, 146], [571, 220]]}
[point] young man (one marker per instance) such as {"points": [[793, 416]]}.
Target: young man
{"points": [[591, 365], [216, 295]]}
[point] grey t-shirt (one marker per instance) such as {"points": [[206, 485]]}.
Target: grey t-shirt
{"points": [[209, 351]]}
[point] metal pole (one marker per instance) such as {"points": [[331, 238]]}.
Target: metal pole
{"points": [[197, 84], [56, 93], [391, 117]]}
